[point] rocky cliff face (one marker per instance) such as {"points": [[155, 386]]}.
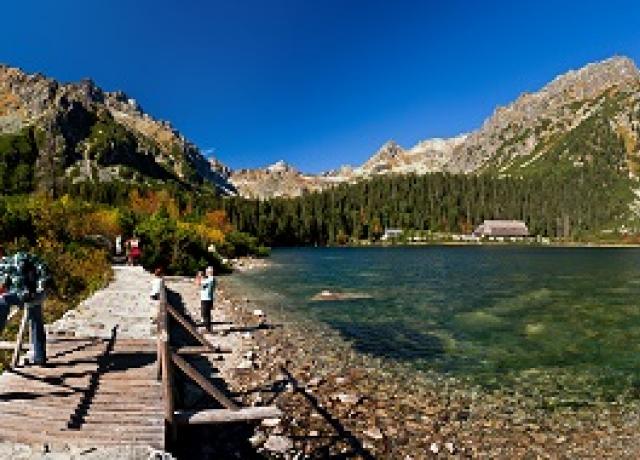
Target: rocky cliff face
{"points": [[427, 156], [578, 119], [80, 132], [519, 135]]}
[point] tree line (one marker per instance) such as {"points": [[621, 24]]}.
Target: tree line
{"points": [[575, 205]]}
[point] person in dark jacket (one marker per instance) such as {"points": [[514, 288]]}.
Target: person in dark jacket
{"points": [[23, 281]]}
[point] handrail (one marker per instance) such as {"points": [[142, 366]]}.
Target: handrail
{"points": [[168, 359], [164, 361]]}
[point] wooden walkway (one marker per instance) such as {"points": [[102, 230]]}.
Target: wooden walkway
{"points": [[110, 375], [93, 392]]}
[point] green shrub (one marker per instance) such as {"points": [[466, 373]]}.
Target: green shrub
{"points": [[178, 251], [239, 244], [18, 153]]}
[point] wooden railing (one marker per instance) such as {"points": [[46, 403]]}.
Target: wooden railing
{"points": [[170, 358]]}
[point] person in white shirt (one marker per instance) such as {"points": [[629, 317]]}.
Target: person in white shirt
{"points": [[119, 245], [207, 293], [157, 285]]}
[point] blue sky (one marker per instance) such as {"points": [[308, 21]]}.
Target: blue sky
{"points": [[316, 83]]}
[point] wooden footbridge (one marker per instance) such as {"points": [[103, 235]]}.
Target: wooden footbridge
{"points": [[114, 390]]}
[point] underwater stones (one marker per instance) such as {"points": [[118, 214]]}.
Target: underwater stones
{"points": [[414, 410], [327, 295], [479, 320], [534, 329]]}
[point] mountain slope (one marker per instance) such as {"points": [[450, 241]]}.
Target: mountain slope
{"points": [[519, 135], [584, 118], [55, 133]]}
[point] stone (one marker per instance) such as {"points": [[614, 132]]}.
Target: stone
{"points": [[278, 444], [346, 398], [374, 433], [257, 439]]}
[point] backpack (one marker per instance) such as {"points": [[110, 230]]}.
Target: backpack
{"points": [[31, 273]]}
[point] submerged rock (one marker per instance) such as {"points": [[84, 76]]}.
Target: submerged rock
{"points": [[329, 295]]}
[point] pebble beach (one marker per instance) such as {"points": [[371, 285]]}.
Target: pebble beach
{"points": [[340, 402]]}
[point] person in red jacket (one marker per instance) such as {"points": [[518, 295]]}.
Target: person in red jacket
{"points": [[134, 252]]}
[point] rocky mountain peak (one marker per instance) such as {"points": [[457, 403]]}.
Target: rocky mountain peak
{"points": [[389, 148], [85, 133], [530, 125], [281, 167]]}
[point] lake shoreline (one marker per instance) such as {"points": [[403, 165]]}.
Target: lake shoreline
{"points": [[421, 415], [486, 244]]}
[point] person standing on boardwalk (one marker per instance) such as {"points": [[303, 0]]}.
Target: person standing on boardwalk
{"points": [[23, 282], [207, 293], [157, 285], [133, 250], [35, 276], [118, 245]]}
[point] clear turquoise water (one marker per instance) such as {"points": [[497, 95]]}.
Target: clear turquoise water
{"points": [[490, 314]]}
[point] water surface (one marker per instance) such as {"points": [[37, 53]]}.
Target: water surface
{"points": [[494, 315]]}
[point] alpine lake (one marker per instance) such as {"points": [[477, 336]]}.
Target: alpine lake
{"points": [[561, 323]]}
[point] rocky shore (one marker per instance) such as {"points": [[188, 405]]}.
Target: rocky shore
{"points": [[341, 403]]}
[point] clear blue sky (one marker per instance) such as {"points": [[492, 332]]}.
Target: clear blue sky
{"points": [[316, 83]]}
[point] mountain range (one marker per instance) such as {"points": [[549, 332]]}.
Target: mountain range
{"points": [[53, 133], [551, 130]]}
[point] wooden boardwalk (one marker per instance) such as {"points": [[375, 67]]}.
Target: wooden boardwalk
{"points": [[93, 392], [104, 384]]}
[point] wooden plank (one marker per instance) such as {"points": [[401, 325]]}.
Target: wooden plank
{"points": [[196, 350], [212, 416], [212, 391], [18, 346]]}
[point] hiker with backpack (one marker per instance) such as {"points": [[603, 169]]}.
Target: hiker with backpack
{"points": [[23, 281]]}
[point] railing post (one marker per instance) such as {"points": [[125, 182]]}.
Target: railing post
{"points": [[165, 363], [160, 303]]}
